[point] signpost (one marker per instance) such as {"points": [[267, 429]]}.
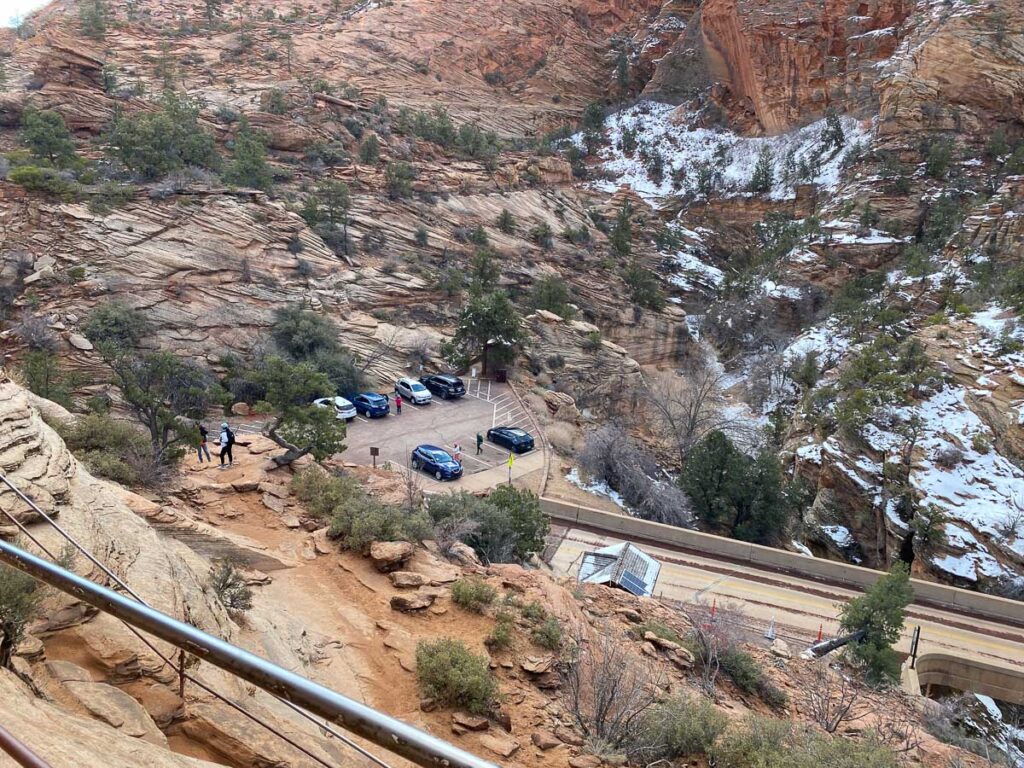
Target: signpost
{"points": [[374, 452]]}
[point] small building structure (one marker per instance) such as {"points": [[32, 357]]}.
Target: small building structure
{"points": [[621, 565]]}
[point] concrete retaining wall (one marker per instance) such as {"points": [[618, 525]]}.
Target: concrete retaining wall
{"points": [[971, 675], [840, 574]]}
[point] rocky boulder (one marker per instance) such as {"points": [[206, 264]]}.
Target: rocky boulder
{"points": [[388, 556]]}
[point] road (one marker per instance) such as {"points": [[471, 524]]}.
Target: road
{"points": [[797, 606]]}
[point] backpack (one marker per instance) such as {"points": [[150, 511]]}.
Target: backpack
{"points": [[231, 437]]}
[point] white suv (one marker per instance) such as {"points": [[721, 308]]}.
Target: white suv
{"points": [[413, 391], [343, 409]]}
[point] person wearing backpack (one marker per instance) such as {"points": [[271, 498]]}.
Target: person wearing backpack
{"points": [[227, 439]]}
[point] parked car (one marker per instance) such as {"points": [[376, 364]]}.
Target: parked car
{"points": [[437, 462], [413, 391], [343, 409], [444, 385], [372, 404], [515, 439]]}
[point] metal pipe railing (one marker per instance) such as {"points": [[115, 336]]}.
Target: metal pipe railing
{"points": [[18, 752], [394, 735]]}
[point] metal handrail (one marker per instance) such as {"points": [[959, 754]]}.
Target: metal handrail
{"points": [[394, 735], [18, 752], [115, 579]]}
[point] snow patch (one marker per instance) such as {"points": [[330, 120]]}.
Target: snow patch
{"points": [[660, 128]]}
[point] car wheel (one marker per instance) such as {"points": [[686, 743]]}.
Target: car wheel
{"points": [[445, 395], [415, 464], [438, 475]]}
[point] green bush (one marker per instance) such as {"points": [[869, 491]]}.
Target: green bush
{"points": [[19, 601], [249, 167], [452, 675], [47, 136], [473, 594], [548, 634], [354, 517], [503, 633], [322, 493], [153, 144], [766, 743], [533, 611], [398, 178], [117, 324], [655, 628], [742, 668], [683, 727], [507, 526], [366, 520], [109, 447], [36, 179]]}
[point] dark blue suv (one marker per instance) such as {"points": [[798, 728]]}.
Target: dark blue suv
{"points": [[437, 462], [515, 439], [371, 404]]}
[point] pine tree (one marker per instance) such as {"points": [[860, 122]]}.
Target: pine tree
{"points": [[506, 222], [47, 136], [764, 172], [621, 237], [878, 617], [94, 17], [833, 137], [249, 167], [369, 150]]}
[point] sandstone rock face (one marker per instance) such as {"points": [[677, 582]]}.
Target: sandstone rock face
{"points": [[114, 678], [771, 66], [36, 463], [390, 555], [61, 738], [960, 70]]}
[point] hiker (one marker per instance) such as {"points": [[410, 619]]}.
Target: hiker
{"points": [[227, 439], [479, 443], [458, 453], [203, 447], [398, 404]]}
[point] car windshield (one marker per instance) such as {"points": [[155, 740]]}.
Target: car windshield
{"points": [[517, 433], [375, 398], [417, 387], [441, 456]]}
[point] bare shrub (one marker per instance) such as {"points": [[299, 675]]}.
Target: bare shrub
{"points": [[1010, 526], [608, 690], [684, 409], [230, 587], [36, 334], [948, 456], [562, 437], [611, 456], [713, 636], [832, 698]]}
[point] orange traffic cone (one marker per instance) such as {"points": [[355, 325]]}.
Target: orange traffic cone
{"points": [[821, 628]]}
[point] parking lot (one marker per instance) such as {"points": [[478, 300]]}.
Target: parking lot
{"points": [[442, 423]]}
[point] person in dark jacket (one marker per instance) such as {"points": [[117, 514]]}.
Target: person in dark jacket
{"points": [[227, 439], [203, 447]]}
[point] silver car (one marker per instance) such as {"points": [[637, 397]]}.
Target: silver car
{"points": [[343, 409], [413, 391]]}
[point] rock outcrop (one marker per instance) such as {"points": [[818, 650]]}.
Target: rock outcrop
{"points": [[774, 66]]}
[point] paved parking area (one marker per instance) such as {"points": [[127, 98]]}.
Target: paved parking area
{"points": [[443, 423]]}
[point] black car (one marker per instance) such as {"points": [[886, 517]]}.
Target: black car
{"points": [[444, 385], [515, 439]]}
